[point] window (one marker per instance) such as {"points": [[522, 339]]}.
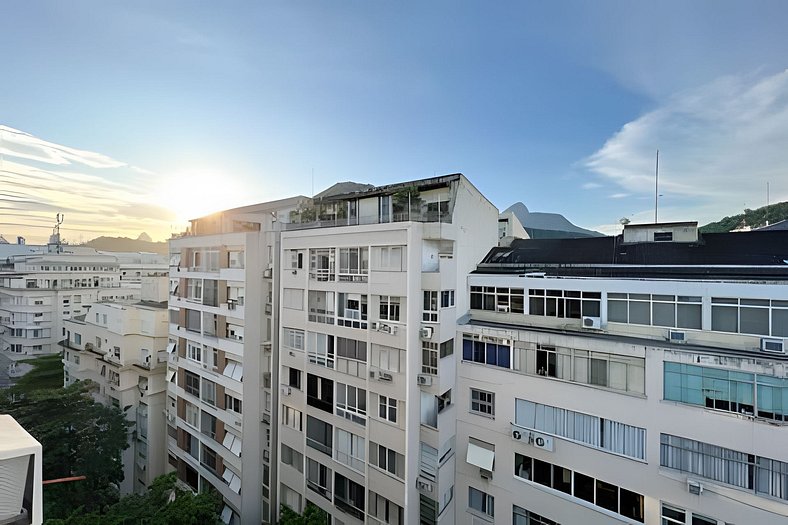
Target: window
{"points": [[194, 352], [296, 259], [352, 310], [320, 349], [522, 516], [193, 320], [319, 435], [605, 434], [320, 393], [482, 402], [352, 403], [352, 349], [293, 298], [663, 236], [707, 461], [490, 351], [353, 264], [428, 510], [391, 258], [292, 418], [597, 492], [675, 516], [233, 370], [497, 299], [349, 496], [749, 316], [318, 478], [728, 390], [192, 414], [566, 304], [293, 458], [386, 358], [294, 377], [389, 308], [387, 408], [656, 310], [387, 459], [209, 392], [447, 298], [617, 372], [384, 510], [293, 338], [429, 358], [321, 264], [192, 383], [481, 502], [233, 404], [349, 449], [447, 348], [430, 311], [194, 288]]}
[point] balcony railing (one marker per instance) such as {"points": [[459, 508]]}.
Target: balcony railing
{"points": [[405, 216]]}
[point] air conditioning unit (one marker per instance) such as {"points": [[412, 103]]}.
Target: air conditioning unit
{"points": [[384, 376], [423, 485], [372, 374], [592, 323], [147, 359], [485, 474], [773, 345], [694, 487], [231, 303], [267, 273], [501, 308], [426, 332], [286, 390], [424, 379], [677, 336]]}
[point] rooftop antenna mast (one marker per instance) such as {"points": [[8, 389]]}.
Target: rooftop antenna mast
{"points": [[656, 190]]}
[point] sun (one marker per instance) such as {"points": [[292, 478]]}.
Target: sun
{"points": [[193, 194]]}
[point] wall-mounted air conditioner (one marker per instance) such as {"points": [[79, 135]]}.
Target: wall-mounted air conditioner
{"points": [[485, 474], [384, 376], [424, 379], [267, 273], [426, 332], [592, 323], [677, 336], [694, 487], [424, 485], [773, 345], [286, 390]]}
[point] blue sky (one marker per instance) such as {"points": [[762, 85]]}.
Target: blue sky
{"points": [[559, 104]]}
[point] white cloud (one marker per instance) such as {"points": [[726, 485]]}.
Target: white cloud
{"points": [[719, 146], [618, 196], [591, 186], [97, 194]]}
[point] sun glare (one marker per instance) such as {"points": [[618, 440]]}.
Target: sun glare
{"points": [[193, 194]]}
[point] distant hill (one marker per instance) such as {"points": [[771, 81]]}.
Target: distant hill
{"points": [[124, 244], [541, 225], [752, 218]]}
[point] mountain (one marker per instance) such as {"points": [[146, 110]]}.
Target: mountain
{"points": [[753, 218], [541, 225], [124, 244]]}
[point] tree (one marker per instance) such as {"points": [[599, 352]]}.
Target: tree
{"points": [[165, 503], [313, 515], [79, 437]]}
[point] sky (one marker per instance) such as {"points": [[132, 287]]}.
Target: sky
{"points": [[135, 116]]}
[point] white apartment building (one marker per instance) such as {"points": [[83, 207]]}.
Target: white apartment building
{"points": [[637, 379], [372, 282], [122, 347], [21, 488], [219, 396]]}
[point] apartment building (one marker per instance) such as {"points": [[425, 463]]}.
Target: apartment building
{"points": [[372, 282], [122, 347], [222, 289], [38, 291], [21, 496], [635, 379]]}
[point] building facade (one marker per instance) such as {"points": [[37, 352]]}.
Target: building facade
{"points": [[372, 281], [637, 379], [222, 288], [122, 347]]}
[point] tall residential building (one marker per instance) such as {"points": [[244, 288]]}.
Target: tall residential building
{"points": [[122, 347], [372, 282], [219, 398], [635, 379]]}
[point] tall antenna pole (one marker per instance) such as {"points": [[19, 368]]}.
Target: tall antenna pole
{"points": [[656, 190]]}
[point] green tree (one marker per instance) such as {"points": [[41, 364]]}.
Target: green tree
{"points": [[165, 503], [79, 437], [313, 515]]}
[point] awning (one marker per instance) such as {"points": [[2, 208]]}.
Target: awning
{"points": [[170, 375], [481, 457], [171, 347]]}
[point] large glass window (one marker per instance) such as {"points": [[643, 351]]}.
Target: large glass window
{"points": [[749, 316], [481, 502], [496, 352], [657, 310]]}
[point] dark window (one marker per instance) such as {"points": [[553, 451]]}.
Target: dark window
{"points": [[607, 495], [562, 479], [663, 236], [631, 505], [584, 487], [294, 378], [320, 393], [543, 473]]}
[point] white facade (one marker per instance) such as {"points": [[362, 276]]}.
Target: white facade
{"points": [[623, 401], [219, 397], [38, 292], [370, 297], [21, 489], [123, 349]]}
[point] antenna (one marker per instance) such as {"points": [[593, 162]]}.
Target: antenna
{"points": [[656, 190]]}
